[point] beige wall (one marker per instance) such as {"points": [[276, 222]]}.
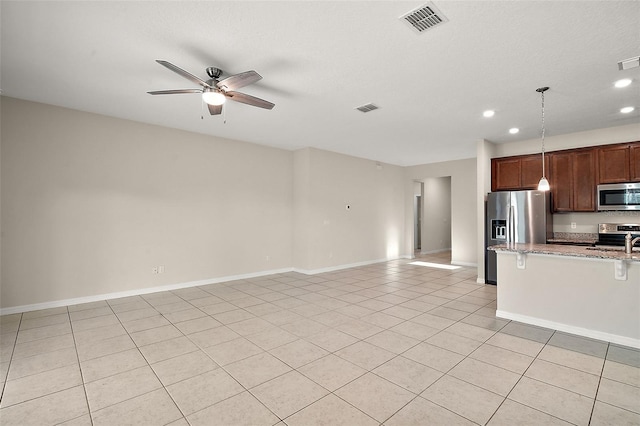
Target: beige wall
{"points": [[463, 206], [327, 234], [628, 133], [90, 204]]}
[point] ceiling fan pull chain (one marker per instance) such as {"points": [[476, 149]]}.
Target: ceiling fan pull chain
{"points": [[201, 109]]}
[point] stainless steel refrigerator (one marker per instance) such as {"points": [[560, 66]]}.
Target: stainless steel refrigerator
{"points": [[515, 217]]}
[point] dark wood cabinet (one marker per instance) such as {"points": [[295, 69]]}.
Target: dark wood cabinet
{"points": [[562, 182], [573, 182], [517, 173], [505, 174], [634, 154], [532, 170], [584, 180], [573, 174], [614, 162], [619, 163]]}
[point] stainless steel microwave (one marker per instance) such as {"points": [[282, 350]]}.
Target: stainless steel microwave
{"points": [[619, 196]]}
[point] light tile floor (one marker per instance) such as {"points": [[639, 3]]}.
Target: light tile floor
{"points": [[390, 343]]}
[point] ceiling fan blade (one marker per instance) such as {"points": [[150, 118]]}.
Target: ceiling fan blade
{"points": [[215, 109], [237, 81], [174, 92], [249, 100], [183, 73]]}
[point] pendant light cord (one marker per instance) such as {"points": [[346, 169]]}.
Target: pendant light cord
{"points": [[542, 93], [541, 90]]}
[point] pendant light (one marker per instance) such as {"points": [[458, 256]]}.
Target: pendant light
{"points": [[543, 185]]}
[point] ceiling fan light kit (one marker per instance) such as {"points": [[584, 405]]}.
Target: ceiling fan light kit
{"points": [[212, 97], [215, 92]]}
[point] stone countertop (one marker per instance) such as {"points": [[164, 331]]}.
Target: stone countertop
{"points": [[616, 253], [584, 241]]}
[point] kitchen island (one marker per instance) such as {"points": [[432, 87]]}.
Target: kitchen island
{"points": [[588, 291]]}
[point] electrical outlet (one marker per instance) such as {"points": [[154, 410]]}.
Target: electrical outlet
{"points": [[573, 225], [161, 269], [154, 270]]}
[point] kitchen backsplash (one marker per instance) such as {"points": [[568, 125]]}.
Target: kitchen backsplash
{"points": [[575, 236], [588, 222]]}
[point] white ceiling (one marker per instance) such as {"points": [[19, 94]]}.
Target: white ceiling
{"points": [[319, 60]]}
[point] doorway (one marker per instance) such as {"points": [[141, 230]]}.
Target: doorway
{"points": [[435, 215]]}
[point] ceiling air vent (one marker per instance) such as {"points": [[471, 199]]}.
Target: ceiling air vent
{"points": [[424, 18], [629, 63], [367, 108]]}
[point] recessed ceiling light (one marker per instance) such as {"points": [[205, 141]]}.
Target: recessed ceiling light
{"points": [[626, 110], [623, 83], [489, 113], [514, 130]]}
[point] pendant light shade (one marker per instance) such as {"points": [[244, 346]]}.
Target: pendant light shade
{"points": [[543, 185]]}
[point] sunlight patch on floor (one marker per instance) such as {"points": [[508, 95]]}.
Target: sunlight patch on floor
{"points": [[434, 265]]}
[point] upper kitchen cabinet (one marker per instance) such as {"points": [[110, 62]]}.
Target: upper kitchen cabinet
{"points": [[532, 170], [573, 182], [619, 163], [584, 177], [517, 173], [573, 174], [562, 182], [634, 151]]}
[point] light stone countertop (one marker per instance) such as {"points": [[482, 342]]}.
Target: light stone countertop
{"points": [[616, 253], [583, 241]]}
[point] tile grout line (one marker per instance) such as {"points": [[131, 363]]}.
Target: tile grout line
{"points": [[143, 357], [219, 366], [84, 387], [523, 375], [595, 397], [13, 349], [509, 393]]}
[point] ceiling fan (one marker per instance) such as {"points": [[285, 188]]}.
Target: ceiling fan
{"points": [[215, 92]]}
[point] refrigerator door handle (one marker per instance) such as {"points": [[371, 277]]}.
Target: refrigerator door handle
{"points": [[510, 228]]}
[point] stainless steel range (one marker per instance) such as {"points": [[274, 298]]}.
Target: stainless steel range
{"points": [[612, 234]]}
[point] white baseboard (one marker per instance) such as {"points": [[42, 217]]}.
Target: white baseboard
{"points": [[480, 280], [340, 267], [435, 251], [459, 263], [593, 334], [136, 292], [148, 290]]}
